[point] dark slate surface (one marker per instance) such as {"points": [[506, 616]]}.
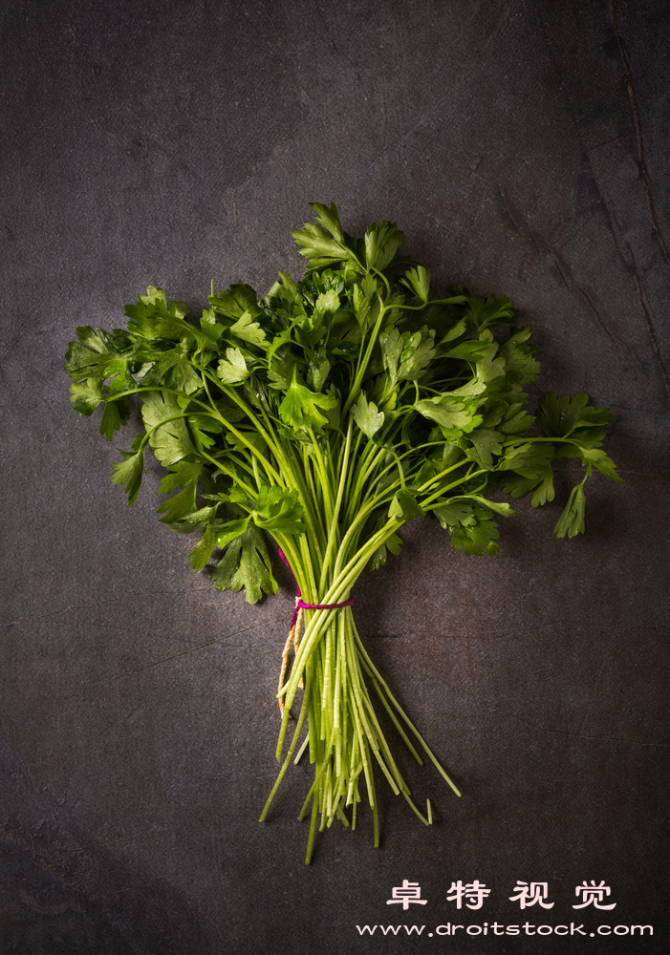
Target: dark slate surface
{"points": [[523, 147]]}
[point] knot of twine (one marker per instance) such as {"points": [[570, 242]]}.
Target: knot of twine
{"points": [[300, 603], [294, 632]]}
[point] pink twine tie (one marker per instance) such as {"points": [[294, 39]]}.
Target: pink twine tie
{"points": [[294, 632], [300, 603]]}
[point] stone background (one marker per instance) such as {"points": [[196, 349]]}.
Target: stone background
{"points": [[523, 147]]}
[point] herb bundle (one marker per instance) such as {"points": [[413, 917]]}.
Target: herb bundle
{"points": [[327, 414]]}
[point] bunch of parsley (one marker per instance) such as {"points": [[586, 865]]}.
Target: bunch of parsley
{"points": [[327, 414]]}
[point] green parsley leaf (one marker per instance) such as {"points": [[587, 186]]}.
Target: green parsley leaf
{"points": [[246, 563], [455, 513], [453, 414], [571, 521], [129, 473], [559, 417], [300, 407], [485, 444], [418, 281], [185, 475], [319, 250], [233, 370], [235, 302], [520, 366], [404, 506], [216, 536], [599, 460], [164, 420], [86, 395], [478, 536], [278, 510], [393, 545], [248, 330], [366, 416], [88, 358], [196, 519], [361, 305], [381, 244]]}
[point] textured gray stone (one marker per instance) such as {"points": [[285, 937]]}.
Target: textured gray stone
{"points": [[523, 147]]}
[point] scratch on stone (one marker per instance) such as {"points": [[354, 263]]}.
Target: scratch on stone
{"points": [[52, 835], [597, 739], [101, 603], [507, 212], [386, 119], [437, 107], [619, 239], [561, 265], [570, 283], [573, 235], [330, 38], [651, 320], [607, 212], [340, 52], [638, 130], [150, 666]]}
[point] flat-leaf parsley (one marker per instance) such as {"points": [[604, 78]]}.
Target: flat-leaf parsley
{"points": [[327, 414]]}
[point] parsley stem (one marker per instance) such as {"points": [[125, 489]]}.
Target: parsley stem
{"points": [[363, 364]]}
